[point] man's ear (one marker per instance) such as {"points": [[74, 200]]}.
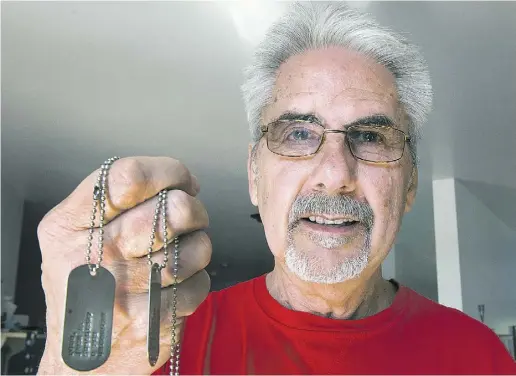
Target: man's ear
{"points": [[252, 175], [412, 189]]}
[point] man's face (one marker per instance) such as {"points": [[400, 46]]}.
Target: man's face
{"points": [[294, 195]]}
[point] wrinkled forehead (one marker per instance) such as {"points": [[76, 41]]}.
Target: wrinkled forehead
{"points": [[337, 84]]}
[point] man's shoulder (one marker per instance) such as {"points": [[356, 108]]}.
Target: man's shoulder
{"points": [[452, 321], [236, 290], [464, 340]]}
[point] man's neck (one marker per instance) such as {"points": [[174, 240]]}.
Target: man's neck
{"points": [[350, 300]]}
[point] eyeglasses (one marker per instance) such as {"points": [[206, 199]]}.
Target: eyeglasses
{"points": [[371, 143]]}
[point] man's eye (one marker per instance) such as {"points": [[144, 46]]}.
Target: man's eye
{"points": [[299, 135], [366, 137]]}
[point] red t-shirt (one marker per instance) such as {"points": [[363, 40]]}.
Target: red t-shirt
{"points": [[243, 330]]}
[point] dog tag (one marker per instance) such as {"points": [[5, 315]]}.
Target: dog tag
{"points": [[154, 314], [88, 322]]}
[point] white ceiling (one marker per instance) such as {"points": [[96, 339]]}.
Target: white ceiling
{"points": [[82, 81]]}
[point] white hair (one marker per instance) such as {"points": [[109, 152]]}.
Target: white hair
{"points": [[308, 26], [311, 266]]}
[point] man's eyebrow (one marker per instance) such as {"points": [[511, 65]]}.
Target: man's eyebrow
{"points": [[378, 119], [298, 116]]}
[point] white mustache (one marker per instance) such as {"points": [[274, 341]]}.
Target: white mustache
{"points": [[339, 206]]}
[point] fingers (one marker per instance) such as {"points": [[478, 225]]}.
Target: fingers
{"points": [[194, 254], [130, 232], [130, 181], [190, 294]]}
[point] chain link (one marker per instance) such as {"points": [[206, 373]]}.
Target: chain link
{"points": [[162, 206], [175, 349], [99, 202]]}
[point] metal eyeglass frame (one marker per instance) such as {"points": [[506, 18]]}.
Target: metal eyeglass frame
{"points": [[406, 139]]}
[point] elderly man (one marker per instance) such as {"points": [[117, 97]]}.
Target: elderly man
{"points": [[335, 104]]}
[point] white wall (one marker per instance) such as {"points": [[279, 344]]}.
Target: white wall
{"points": [[447, 248], [389, 265], [12, 216], [415, 245], [488, 261]]}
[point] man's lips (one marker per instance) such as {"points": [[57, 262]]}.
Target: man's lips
{"points": [[345, 228], [330, 220]]}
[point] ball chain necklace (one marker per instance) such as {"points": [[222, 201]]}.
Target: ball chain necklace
{"points": [[90, 296], [155, 290]]}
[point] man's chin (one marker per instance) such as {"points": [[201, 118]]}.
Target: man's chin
{"points": [[329, 240], [329, 268], [333, 242]]}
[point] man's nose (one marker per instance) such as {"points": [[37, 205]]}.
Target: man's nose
{"points": [[336, 171]]}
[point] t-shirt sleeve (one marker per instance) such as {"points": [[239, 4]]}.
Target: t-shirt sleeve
{"points": [[503, 363]]}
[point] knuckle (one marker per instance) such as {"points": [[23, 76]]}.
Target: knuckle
{"points": [[50, 228], [181, 206], [45, 224], [131, 170], [180, 169], [42, 228], [131, 175], [205, 248]]}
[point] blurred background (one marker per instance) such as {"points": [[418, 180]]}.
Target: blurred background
{"points": [[83, 81]]}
